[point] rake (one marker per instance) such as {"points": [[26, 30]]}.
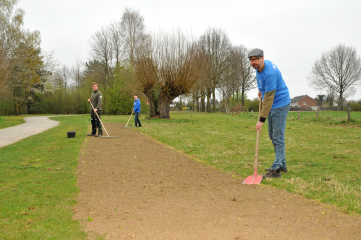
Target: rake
{"points": [[126, 126], [102, 125], [255, 179]]}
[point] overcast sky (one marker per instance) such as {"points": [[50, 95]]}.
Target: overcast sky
{"points": [[292, 34]]}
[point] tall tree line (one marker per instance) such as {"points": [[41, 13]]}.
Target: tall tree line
{"points": [[125, 60]]}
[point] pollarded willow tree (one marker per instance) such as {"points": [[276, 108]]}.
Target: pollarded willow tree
{"points": [[146, 71], [168, 66], [338, 69]]}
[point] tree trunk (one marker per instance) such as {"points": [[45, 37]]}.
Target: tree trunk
{"points": [[16, 105], [152, 109], [163, 106], [104, 101], [203, 104], [242, 97], [78, 105], [208, 103], [340, 102], [237, 93], [214, 100]]}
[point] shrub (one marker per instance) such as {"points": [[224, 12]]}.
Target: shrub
{"points": [[252, 104], [355, 106]]}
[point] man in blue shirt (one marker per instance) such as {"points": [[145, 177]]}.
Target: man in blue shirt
{"points": [[276, 104], [136, 110]]}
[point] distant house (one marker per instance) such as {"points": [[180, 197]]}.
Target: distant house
{"points": [[304, 102]]}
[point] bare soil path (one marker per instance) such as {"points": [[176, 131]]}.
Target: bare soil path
{"points": [[132, 187]]}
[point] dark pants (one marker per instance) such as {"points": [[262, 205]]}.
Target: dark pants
{"points": [[95, 122], [136, 119]]}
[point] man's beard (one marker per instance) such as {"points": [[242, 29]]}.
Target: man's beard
{"points": [[257, 67]]}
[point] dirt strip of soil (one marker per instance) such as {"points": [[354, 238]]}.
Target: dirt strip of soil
{"points": [[132, 187]]}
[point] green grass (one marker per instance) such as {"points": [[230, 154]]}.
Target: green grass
{"points": [[323, 159], [328, 117], [38, 184], [9, 121]]}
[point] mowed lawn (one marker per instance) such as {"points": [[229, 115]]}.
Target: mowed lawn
{"points": [[38, 183], [9, 121], [324, 159]]}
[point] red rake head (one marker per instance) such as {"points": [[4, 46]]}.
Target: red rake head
{"points": [[253, 179]]}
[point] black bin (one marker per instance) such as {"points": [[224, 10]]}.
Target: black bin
{"points": [[71, 134]]}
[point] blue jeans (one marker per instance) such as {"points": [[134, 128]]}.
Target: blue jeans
{"points": [[276, 129], [136, 119]]}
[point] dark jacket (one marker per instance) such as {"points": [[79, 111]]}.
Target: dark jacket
{"points": [[96, 100]]}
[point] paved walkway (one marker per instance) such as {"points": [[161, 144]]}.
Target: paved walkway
{"points": [[32, 126]]}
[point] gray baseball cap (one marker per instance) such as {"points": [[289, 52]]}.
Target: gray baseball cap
{"points": [[255, 53]]}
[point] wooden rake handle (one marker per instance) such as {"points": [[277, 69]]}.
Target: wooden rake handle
{"points": [[257, 141], [129, 119], [99, 118]]}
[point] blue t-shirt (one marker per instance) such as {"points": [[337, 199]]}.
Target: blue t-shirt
{"points": [[271, 79]]}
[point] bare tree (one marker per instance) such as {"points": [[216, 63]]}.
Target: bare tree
{"points": [[65, 76], [101, 49], [132, 30], [229, 82], [216, 44], [227, 86], [338, 69], [237, 77], [247, 77], [196, 93], [117, 40], [201, 87], [77, 73]]}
